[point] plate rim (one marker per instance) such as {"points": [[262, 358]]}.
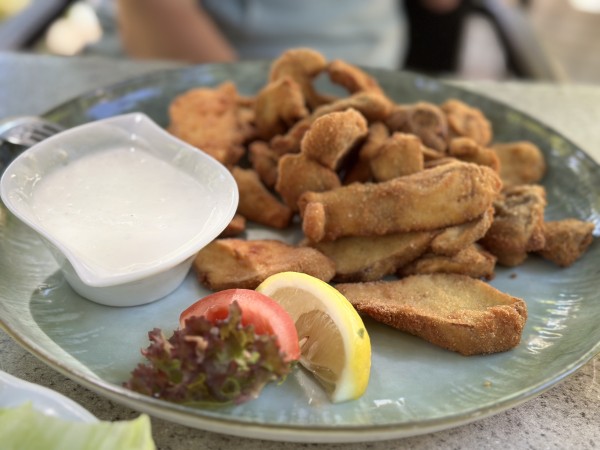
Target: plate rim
{"points": [[279, 432]]}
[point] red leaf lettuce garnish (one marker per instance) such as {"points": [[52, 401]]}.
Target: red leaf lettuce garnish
{"points": [[208, 364]]}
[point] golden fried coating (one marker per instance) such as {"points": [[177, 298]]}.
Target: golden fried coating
{"points": [[468, 121], [301, 65], [212, 120], [264, 161], [373, 257], [518, 226], [401, 154], [424, 119], [467, 149], [361, 170], [453, 239], [236, 227], [447, 195], [352, 78], [282, 144], [257, 203], [331, 137], [566, 240], [471, 261], [298, 174], [521, 162], [237, 263], [434, 162], [455, 312], [278, 106], [372, 106]]}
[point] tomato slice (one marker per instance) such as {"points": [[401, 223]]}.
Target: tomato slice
{"points": [[264, 313]]}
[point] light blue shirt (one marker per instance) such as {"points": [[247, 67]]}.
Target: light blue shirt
{"points": [[364, 32]]}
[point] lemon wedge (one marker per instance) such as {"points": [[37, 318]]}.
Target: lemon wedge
{"points": [[334, 342]]}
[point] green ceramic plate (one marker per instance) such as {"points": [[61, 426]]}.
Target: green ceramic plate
{"points": [[415, 387]]}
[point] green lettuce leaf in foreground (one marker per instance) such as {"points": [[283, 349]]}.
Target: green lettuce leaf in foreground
{"points": [[209, 364], [23, 428]]}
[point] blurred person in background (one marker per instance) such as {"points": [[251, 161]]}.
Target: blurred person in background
{"points": [[371, 33]]}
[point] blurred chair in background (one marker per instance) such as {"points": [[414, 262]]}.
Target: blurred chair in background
{"points": [[436, 40]]}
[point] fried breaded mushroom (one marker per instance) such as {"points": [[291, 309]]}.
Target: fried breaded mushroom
{"points": [[451, 240], [237, 263], [301, 65], [424, 119], [472, 261], [236, 226], [372, 106], [566, 240], [212, 120], [282, 144], [278, 106], [401, 154], [264, 162], [521, 162], [352, 78], [372, 258], [298, 174], [467, 149], [361, 169], [467, 121], [455, 312], [257, 203], [332, 136], [446, 195], [518, 226]]}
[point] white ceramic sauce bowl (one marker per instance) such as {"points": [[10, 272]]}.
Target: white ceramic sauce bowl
{"points": [[123, 206]]}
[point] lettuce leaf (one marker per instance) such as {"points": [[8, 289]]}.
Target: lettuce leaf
{"points": [[206, 364], [23, 427]]}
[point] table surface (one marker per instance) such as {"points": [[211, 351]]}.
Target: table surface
{"points": [[566, 416]]}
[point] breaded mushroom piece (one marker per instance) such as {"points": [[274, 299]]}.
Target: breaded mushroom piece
{"points": [[278, 106], [467, 121], [297, 174], [373, 257], [472, 261], [360, 171], [424, 119], [301, 65], [401, 154], [237, 263], [451, 240], [235, 227], [332, 136], [467, 149], [373, 107], [521, 162], [435, 198], [257, 203], [264, 161], [518, 226], [566, 240], [455, 312], [352, 77], [214, 120]]}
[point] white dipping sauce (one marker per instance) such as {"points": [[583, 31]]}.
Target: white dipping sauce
{"points": [[121, 209]]}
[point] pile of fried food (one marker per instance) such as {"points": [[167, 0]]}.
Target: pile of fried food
{"points": [[417, 191]]}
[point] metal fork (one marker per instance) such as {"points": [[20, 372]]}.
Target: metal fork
{"points": [[19, 133], [28, 130]]}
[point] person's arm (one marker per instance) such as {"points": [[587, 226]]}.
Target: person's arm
{"points": [[167, 29]]}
